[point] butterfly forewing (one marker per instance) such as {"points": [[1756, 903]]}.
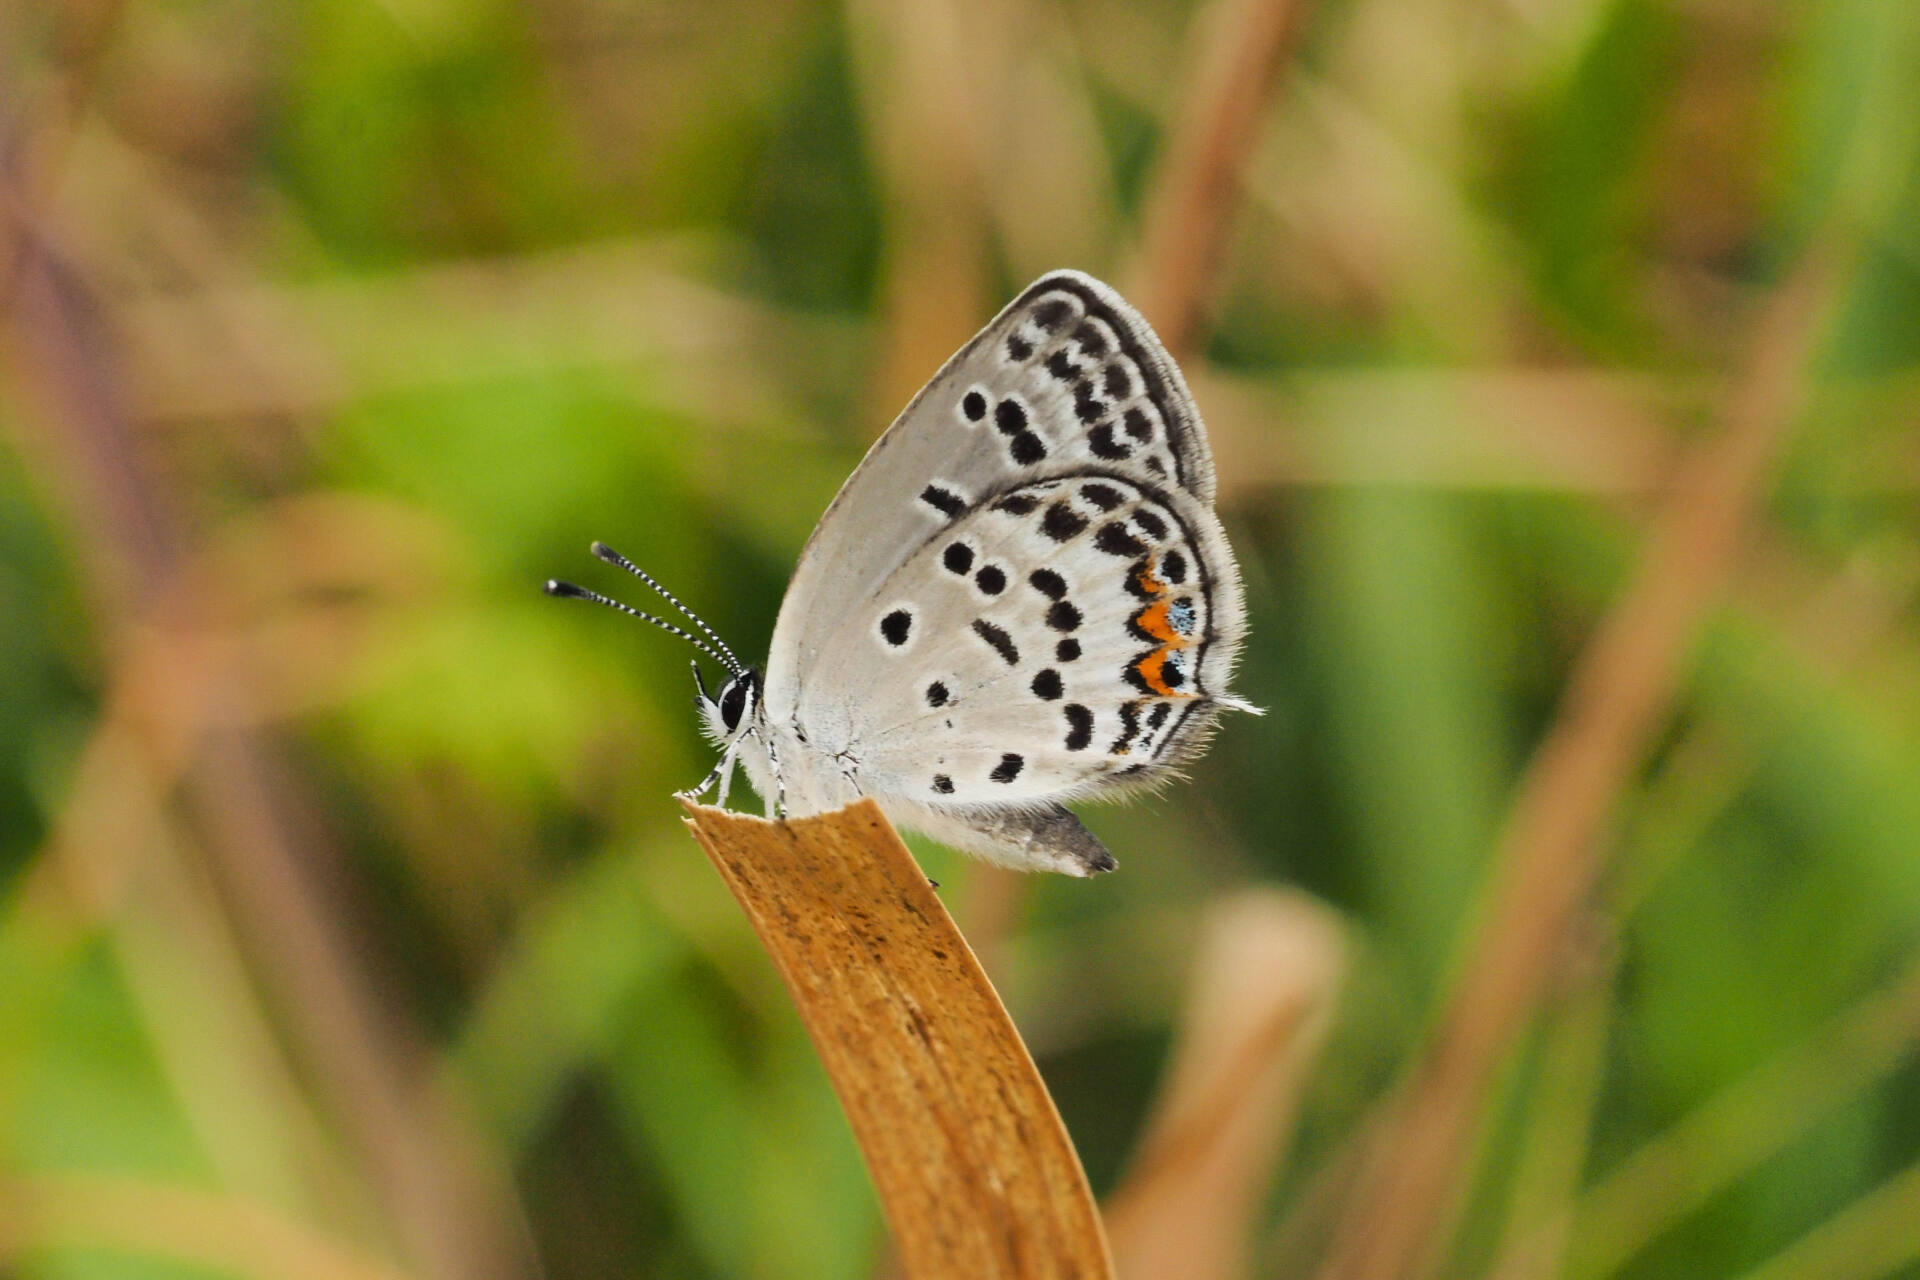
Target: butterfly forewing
{"points": [[1067, 377]]}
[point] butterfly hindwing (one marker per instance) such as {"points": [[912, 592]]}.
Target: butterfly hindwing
{"points": [[1068, 636]]}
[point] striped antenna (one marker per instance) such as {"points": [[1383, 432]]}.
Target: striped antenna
{"points": [[607, 553], [570, 591]]}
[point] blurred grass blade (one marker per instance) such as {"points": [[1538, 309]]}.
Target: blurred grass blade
{"points": [[973, 1166], [1877, 1235], [1260, 1000], [1749, 1122]]}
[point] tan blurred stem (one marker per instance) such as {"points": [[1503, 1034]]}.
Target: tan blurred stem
{"points": [[910, 59], [1240, 45], [973, 1166], [1877, 1235], [1617, 698], [1264, 984], [219, 1233]]}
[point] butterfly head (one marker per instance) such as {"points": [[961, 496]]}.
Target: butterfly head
{"points": [[731, 712]]}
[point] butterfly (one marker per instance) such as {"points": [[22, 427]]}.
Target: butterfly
{"points": [[1021, 597]]}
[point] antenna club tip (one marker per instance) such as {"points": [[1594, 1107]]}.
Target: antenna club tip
{"points": [[555, 587], [601, 551]]}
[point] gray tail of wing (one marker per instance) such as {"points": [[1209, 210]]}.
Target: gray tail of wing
{"points": [[1045, 838]]}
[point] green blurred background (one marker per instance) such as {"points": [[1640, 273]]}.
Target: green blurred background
{"points": [[346, 924]]}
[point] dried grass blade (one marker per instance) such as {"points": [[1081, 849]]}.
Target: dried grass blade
{"points": [[973, 1166]]}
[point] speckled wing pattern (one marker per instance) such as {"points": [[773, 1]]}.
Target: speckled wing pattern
{"points": [[1022, 595]]}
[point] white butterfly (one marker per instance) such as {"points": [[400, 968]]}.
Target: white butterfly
{"points": [[1020, 597]]}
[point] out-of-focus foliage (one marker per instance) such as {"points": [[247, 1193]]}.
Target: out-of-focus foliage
{"points": [[346, 926]]}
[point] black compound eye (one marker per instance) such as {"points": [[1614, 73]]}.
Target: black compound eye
{"points": [[733, 702]]}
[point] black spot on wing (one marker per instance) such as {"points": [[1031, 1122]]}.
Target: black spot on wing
{"points": [[1062, 616], [1114, 539], [1010, 416], [1079, 726], [1086, 406], [958, 557], [945, 501], [1139, 576], [1062, 522], [1155, 527], [1027, 448], [991, 579], [1067, 650], [1017, 504], [943, 784], [1048, 685], [974, 406], [1100, 439], [1051, 314], [1091, 340], [1009, 767], [896, 627], [938, 695], [1129, 728], [997, 639], [1103, 496], [1048, 583], [1173, 567]]}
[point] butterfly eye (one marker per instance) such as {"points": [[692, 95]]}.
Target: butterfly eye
{"points": [[733, 702]]}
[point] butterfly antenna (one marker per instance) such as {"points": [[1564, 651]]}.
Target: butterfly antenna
{"points": [[570, 591], [607, 553]]}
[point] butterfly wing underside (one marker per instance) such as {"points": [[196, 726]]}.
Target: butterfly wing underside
{"points": [[1022, 594]]}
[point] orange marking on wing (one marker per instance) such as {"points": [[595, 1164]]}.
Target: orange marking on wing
{"points": [[1153, 621], [1149, 669], [1146, 580]]}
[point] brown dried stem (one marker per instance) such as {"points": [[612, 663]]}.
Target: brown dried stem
{"points": [[973, 1166], [1242, 44], [1549, 854], [1258, 1009]]}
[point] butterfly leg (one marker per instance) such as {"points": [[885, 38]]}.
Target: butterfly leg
{"points": [[725, 768], [722, 773], [777, 809]]}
